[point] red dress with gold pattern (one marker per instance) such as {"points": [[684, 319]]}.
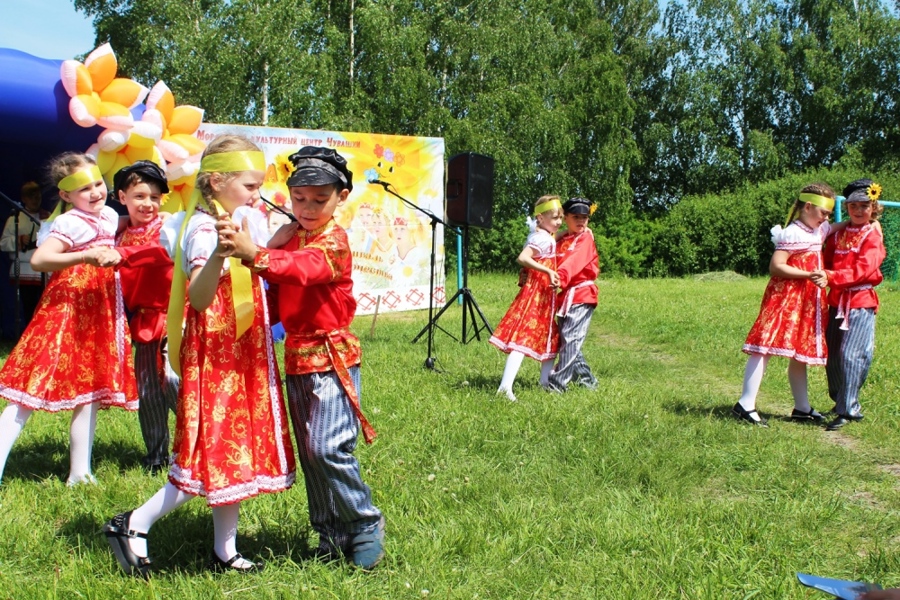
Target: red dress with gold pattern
{"points": [[77, 348], [529, 325], [794, 315], [232, 438]]}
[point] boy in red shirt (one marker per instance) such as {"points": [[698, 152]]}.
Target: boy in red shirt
{"points": [[579, 266], [307, 266], [853, 258], [146, 277]]}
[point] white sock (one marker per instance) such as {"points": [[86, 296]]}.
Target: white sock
{"points": [[225, 522], [797, 379], [12, 421], [546, 369], [81, 443], [513, 362], [167, 499], [753, 374]]}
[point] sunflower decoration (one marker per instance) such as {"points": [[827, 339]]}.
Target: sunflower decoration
{"points": [[873, 192], [593, 209]]}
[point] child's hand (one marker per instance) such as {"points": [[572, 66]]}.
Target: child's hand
{"points": [[283, 235], [523, 276], [101, 257], [819, 277], [226, 230], [892, 594], [554, 279], [235, 241]]}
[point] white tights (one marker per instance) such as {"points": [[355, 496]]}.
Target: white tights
{"points": [[167, 499], [753, 374], [81, 438], [513, 363]]}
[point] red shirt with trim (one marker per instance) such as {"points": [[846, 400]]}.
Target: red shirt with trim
{"points": [[853, 257], [146, 276]]}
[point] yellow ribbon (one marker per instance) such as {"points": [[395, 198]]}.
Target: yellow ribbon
{"points": [[817, 200], [79, 179], [75, 181], [545, 206], [241, 281]]}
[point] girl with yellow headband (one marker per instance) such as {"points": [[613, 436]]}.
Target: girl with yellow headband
{"points": [[232, 440], [76, 352], [793, 316], [529, 328]]}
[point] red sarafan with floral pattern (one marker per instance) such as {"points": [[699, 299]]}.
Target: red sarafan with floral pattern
{"points": [[793, 316], [529, 325], [77, 348], [232, 438]]}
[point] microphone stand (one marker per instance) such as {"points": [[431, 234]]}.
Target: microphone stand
{"points": [[17, 209], [430, 360], [278, 208]]}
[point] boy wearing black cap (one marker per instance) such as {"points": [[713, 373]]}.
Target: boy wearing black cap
{"points": [[579, 266], [853, 257], [146, 277], [308, 265]]}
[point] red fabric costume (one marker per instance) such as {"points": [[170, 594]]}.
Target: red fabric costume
{"points": [[529, 325], [793, 315], [146, 275], [579, 266], [311, 293], [853, 258], [232, 438], [77, 349]]}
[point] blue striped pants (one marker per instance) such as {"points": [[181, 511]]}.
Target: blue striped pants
{"points": [[326, 430], [849, 357], [158, 394], [570, 363]]}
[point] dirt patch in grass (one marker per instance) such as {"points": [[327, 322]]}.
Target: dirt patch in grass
{"points": [[840, 439], [719, 276]]}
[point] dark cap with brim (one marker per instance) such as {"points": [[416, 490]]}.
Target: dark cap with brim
{"points": [[319, 166], [577, 206], [147, 170]]}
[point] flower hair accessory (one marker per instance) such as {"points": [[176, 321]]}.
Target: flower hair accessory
{"points": [[873, 192]]}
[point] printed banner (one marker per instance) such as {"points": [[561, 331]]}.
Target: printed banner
{"points": [[390, 239]]}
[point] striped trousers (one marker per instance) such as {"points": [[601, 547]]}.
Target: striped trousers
{"points": [[158, 393], [326, 430], [849, 357], [570, 363]]}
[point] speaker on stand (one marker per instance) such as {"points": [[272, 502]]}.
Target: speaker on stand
{"points": [[470, 203]]}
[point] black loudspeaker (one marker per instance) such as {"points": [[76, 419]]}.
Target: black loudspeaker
{"points": [[470, 190]]}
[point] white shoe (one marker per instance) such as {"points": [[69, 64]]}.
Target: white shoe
{"points": [[86, 479], [508, 393]]}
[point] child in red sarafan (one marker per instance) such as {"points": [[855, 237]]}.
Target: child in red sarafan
{"points": [[75, 354], [853, 258], [792, 318], [529, 326]]}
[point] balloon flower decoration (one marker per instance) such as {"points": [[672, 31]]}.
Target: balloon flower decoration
{"points": [[156, 130]]}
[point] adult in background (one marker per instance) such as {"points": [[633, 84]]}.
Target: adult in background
{"points": [[21, 231]]}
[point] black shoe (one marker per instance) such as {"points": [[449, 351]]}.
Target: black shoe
{"points": [[226, 566], [158, 468], [117, 534], [842, 420], [813, 416], [747, 415]]}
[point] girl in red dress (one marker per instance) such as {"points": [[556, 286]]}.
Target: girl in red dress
{"points": [[528, 328], [793, 316], [76, 352], [232, 439]]}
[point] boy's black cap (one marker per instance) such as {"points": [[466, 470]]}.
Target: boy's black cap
{"points": [[858, 191], [319, 166], [577, 206], [147, 169]]}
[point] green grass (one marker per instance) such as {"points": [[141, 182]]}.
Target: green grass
{"points": [[644, 489]]}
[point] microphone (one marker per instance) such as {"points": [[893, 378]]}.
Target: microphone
{"points": [[383, 184]]}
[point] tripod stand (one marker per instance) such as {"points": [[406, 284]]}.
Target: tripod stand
{"points": [[468, 302]]}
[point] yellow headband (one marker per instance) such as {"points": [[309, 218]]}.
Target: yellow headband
{"points": [[229, 162], [79, 179], [545, 206], [817, 200]]}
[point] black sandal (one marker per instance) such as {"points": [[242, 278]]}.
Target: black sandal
{"points": [[746, 415], [117, 534], [224, 566]]}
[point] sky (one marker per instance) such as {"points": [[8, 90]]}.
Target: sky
{"points": [[45, 28]]}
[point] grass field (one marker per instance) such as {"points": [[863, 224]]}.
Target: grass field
{"points": [[646, 488]]}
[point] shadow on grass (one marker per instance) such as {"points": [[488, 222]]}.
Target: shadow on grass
{"points": [[182, 541], [38, 459]]}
